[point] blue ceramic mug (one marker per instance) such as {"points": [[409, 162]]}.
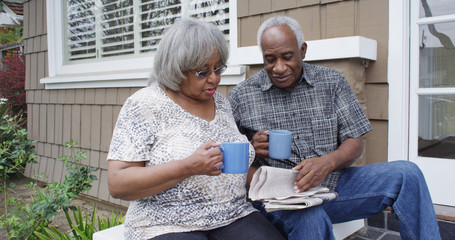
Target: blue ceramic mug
{"points": [[280, 144], [235, 157]]}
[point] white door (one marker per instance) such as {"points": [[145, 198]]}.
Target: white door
{"points": [[432, 95]]}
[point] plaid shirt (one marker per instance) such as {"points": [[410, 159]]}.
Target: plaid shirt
{"points": [[321, 111]]}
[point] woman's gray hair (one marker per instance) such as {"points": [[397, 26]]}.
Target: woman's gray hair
{"points": [[187, 45], [282, 21]]}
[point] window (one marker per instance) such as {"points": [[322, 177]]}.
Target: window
{"points": [[110, 28], [110, 43]]}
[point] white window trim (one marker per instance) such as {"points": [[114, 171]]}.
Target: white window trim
{"points": [[398, 79], [133, 72]]}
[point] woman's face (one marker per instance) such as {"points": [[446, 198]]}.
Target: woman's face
{"points": [[202, 89]]}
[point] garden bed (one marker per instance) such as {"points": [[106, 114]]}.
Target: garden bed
{"points": [[87, 205]]}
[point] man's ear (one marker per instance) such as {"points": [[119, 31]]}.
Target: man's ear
{"points": [[303, 50]]}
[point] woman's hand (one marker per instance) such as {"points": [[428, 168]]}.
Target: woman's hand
{"points": [[206, 160], [133, 180]]}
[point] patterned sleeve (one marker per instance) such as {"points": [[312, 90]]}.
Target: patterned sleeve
{"points": [[352, 121], [234, 105], [133, 136]]}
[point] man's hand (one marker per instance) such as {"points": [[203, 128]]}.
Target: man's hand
{"points": [[260, 142], [312, 172]]}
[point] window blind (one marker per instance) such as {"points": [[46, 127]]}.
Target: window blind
{"points": [[98, 29]]}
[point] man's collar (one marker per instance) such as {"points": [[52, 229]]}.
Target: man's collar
{"points": [[306, 74], [305, 78]]}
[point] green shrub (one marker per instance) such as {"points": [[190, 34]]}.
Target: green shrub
{"points": [[16, 150], [23, 221], [83, 227]]}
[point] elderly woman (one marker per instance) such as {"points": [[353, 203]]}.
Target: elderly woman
{"points": [[163, 154]]}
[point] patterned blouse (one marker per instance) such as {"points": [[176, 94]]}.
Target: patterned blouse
{"points": [[153, 128]]}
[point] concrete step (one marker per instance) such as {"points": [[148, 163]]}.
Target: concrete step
{"points": [[385, 225]]}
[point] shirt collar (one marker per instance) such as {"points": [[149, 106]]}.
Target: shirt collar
{"points": [[267, 84]]}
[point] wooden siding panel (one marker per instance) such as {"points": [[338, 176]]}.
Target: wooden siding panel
{"points": [[106, 127], [248, 29], [70, 96], [242, 8], [50, 170], [32, 19], [95, 185], [283, 4], [39, 17], [29, 120], [111, 96], [43, 47], [85, 127], [35, 168], [103, 190], [67, 123], [37, 97], [33, 70], [45, 97], [61, 96], [76, 123], [50, 124], [42, 122], [100, 96], [310, 20], [374, 24], [95, 128], [329, 1], [47, 150], [94, 158], [122, 95], [28, 81], [341, 19], [376, 144], [259, 6], [36, 44], [43, 169], [44, 17], [58, 171], [53, 96], [59, 124], [80, 95], [103, 160], [377, 101], [57, 151], [302, 3], [35, 125], [41, 69], [46, 64], [89, 96], [26, 22]]}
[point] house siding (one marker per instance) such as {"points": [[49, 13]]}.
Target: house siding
{"points": [[88, 116], [332, 19]]}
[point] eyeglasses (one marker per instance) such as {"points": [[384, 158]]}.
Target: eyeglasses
{"points": [[206, 73]]}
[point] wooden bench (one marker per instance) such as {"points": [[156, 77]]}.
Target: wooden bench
{"points": [[340, 230]]}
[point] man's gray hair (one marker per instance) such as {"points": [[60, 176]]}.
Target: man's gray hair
{"points": [[282, 21], [187, 45]]}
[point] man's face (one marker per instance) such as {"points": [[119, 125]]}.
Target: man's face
{"points": [[282, 56]]}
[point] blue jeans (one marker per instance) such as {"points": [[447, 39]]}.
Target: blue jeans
{"points": [[364, 192], [252, 227]]}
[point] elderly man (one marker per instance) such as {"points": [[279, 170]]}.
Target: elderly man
{"points": [[328, 124]]}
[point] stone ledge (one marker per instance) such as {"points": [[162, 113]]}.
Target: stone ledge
{"points": [[446, 213]]}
